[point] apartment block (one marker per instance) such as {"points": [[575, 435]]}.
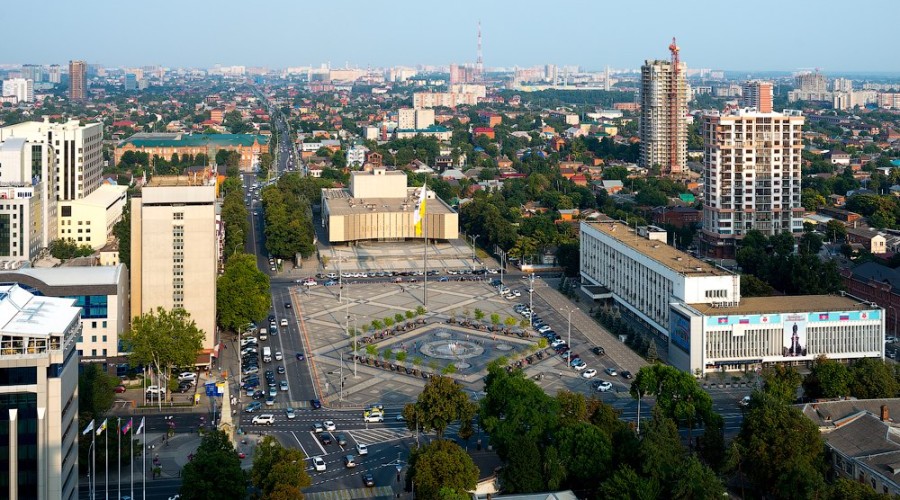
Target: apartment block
{"points": [[20, 88], [757, 95], [751, 175], [90, 220], [175, 249], [663, 124], [39, 395], [77, 80], [27, 199]]}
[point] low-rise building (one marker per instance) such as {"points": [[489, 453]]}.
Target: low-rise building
{"points": [[871, 240], [249, 146], [90, 220], [379, 206]]}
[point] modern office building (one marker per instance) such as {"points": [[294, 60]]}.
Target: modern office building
{"points": [[698, 308], [663, 125], [131, 82], [751, 176], [27, 198], [379, 206], [175, 249], [78, 157], [250, 146], [39, 396], [77, 80], [100, 291], [90, 220], [758, 95], [20, 88]]}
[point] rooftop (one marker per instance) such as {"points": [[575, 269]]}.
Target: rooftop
{"points": [[104, 196], [341, 203], [666, 255], [76, 276], [151, 139], [785, 304], [22, 313]]}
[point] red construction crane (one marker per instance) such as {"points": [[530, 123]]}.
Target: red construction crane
{"points": [[673, 108]]}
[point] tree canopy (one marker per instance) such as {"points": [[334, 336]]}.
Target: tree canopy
{"points": [[441, 402], [163, 339], [279, 472], [441, 470], [214, 472], [242, 293]]}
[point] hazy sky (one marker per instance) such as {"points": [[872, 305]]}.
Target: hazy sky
{"points": [[833, 35]]}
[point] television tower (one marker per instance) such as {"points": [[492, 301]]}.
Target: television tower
{"points": [[479, 62]]}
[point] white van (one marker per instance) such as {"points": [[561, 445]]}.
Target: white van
{"points": [[263, 333], [267, 354]]}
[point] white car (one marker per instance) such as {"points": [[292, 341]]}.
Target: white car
{"points": [[557, 343], [604, 386], [284, 322], [589, 373], [155, 390], [264, 419], [544, 328], [374, 417], [248, 341], [362, 449], [329, 426], [332, 276], [517, 293], [291, 414], [310, 282], [319, 464], [278, 356], [579, 367], [187, 377]]}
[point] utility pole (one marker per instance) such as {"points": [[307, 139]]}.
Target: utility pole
{"points": [[531, 299], [569, 360]]}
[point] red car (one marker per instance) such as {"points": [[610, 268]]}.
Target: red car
{"points": [[120, 389]]}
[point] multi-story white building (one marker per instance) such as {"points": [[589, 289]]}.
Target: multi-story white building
{"points": [[90, 220], [414, 119], [663, 125], [175, 249], [698, 308], [27, 198], [356, 155], [39, 395], [751, 175], [100, 291], [20, 88], [78, 158]]}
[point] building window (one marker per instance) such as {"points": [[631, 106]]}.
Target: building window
{"points": [[178, 216], [104, 338], [93, 324], [93, 338]]}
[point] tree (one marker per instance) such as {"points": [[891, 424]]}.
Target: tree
{"points": [[278, 470], [678, 395], [163, 339], [242, 293], [835, 230], [626, 484], [844, 488], [65, 249], [871, 378], [827, 379], [696, 481], [95, 392], [214, 472], [781, 382], [442, 467], [775, 443], [122, 231], [440, 403]]}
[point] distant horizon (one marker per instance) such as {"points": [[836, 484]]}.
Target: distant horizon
{"points": [[780, 36]]}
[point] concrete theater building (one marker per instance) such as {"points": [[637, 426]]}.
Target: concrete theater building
{"points": [[379, 206], [698, 307]]}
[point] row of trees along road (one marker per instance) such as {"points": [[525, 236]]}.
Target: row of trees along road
{"points": [[288, 214], [242, 291]]}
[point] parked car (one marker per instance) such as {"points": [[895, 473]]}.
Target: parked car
{"points": [[318, 427], [589, 373], [252, 407], [187, 377], [599, 351], [119, 389], [341, 440], [319, 464], [283, 385], [627, 374], [325, 438], [604, 386], [611, 372], [280, 369]]}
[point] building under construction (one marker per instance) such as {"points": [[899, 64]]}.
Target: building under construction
{"points": [[664, 106]]}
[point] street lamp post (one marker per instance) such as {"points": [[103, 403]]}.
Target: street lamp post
{"points": [[569, 360], [502, 255], [474, 238], [531, 299]]}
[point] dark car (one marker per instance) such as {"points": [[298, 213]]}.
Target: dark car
{"points": [[599, 351], [259, 394], [119, 389], [626, 374], [315, 404], [280, 369], [368, 479], [287, 305], [252, 407], [183, 388], [299, 356], [325, 438]]}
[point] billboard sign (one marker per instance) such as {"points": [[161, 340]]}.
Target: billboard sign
{"points": [[680, 331], [793, 337]]}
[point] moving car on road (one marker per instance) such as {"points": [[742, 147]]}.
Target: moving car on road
{"points": [[264, 419]]}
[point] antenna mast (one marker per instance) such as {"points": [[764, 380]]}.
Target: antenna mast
{"points": [[479, 62]]}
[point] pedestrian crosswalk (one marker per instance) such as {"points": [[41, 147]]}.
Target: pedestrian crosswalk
{"points": [[375, 436], [353, 493]]}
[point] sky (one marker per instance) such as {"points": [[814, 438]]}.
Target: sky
{"points": [[775, 35]]}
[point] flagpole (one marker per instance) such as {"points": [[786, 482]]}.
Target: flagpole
{"points": [[119, 434], [144, 455], [425, 252], [106, 459], [94, 464], [131, 456]]}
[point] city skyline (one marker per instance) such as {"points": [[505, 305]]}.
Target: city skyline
{"points": [[523, 34]]}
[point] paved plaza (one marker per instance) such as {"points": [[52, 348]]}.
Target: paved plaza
{"points": [[326, 313]]}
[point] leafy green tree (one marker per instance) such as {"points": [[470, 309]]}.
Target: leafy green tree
{"points": [[442, 467], [65, 249], [242, 293], [122, 231], [835, 230], [844, 488], [871, 378], [776, 445], [214, 472], [95, 392], [163, 339], [440, 403], [678, 395], [781, 382], [626, 484], [827, 379], [278, 468], [696, 481]]}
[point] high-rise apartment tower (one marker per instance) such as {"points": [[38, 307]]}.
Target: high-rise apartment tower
{"points": [[663, 125]]}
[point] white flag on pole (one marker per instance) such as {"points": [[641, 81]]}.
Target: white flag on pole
{"points": [[140, 427], [87, 429]]}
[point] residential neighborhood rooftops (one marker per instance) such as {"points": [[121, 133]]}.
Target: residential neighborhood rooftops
{"points": [[146, 140]]}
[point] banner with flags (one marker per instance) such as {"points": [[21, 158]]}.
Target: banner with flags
{"points": [[87, 429], [419, 214], [102, 427], [127, 426], [140, 427]]}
